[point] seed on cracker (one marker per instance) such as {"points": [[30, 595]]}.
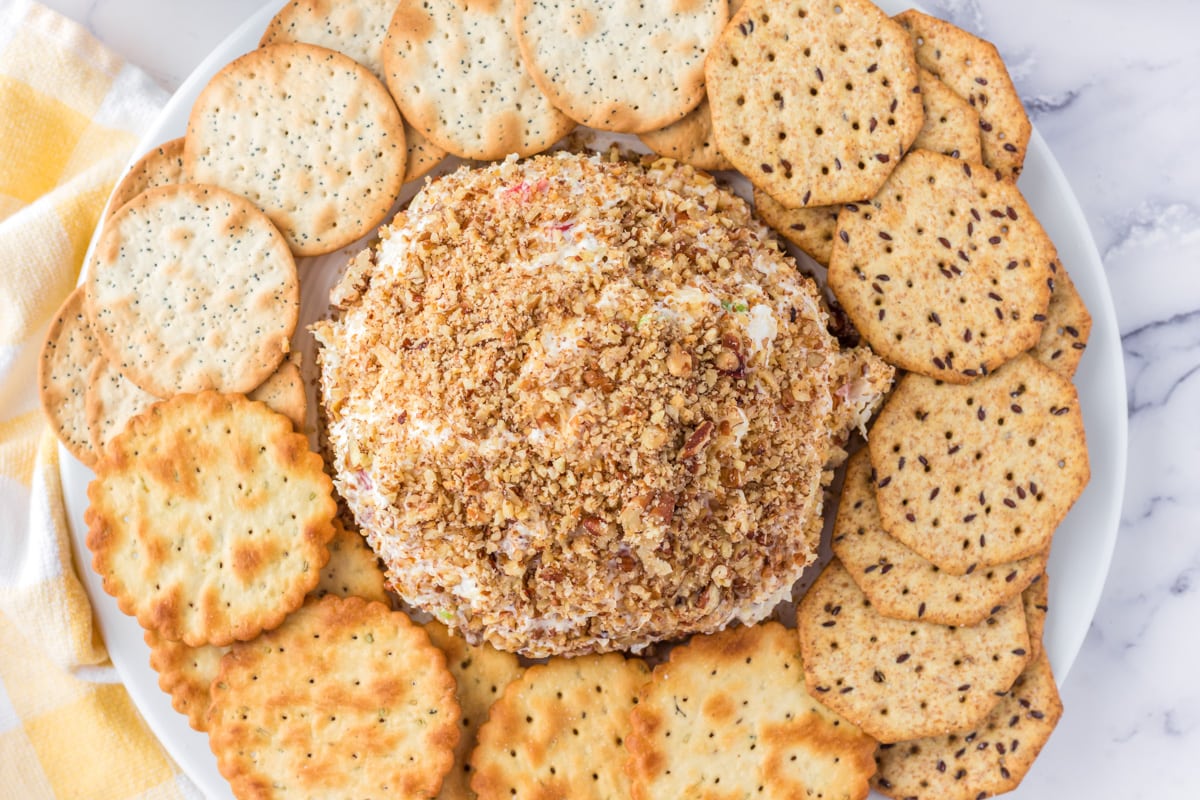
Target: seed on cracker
{"points": [[974, 70], [161, 166], [110, 402], [904, 585], [810, 229], [1036, 600], [284, 391], [814, 101], [209, 518], [306, 133], [456, 73], [345, 699], [559, 731], [951, 124], [990, 759], [353, 568], [728, 716], [356, 28], [192, 288], [981, 474], [185, 673], [900, 679], [689, 140], [68, 355], [946, 272], [1068, 325]]}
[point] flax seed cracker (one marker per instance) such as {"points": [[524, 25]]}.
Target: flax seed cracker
{"points": [[1068, 325], [68, 355], [946, 272], [559, 731], [306, 133], [161, 166], [974, 70], [810, 229], [982, 474], [902, 584], [728, 716], [991, 759], [620, 65], [689, 140], [899, 679], [345, 699], [1036, 599], [209, 518], [356, 28], [814, 101], [951, 124], [185, 673]]}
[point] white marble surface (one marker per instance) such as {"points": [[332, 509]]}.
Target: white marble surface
{"points": [[1112, 87]]}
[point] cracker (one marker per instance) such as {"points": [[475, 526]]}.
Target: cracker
{"points": [[974, 70], [1068, 326], [951, 124], [814, 101], [980, 474], [619, 65], [482, 672], [899, 679], [185, 673], [1036, 600], [689, 140], [559, 729], [192, 288], [161, 166], [991, 759], [810, 229], [356, 28], [728, 716], [110, 402], [353, 568], [899, 582], [456, 73], [946, 271], [67, 356], [209, 518], [306, 133], [284, 391], [353, 701]]}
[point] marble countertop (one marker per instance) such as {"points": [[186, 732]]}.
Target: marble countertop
{"points": [[1112, 87]]}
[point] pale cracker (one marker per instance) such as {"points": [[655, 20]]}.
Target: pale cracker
{"points": [[899, 679], [811, 229], [815, 101], [284, 391], [619, 65], [356, 28], [306, 133], [559, 731], [1068, 326], [209, 518], [1036, 600], [689, 140], [951, 124], [976, 475], [991, 759], [192, 288], [904, 585], [456, 73], [68, 355], [345, 699], [161, 166], [110, 402], [728, 716], [946, 271], [353, 568], [186, 673]]}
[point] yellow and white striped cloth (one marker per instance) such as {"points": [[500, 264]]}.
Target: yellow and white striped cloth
{"points": [[70, 114]]}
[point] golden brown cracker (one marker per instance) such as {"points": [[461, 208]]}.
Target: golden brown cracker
{"points": [[161, 166], [951, 124], [68, 355], [186, 673], [1068, 326], [810, 229], [353, 568]]}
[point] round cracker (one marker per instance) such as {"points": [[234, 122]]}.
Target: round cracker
{"points": [[345, 699], [68, 355], [209, 518], [620, 65], [456, 73], [284, 392], [192, 288], [185, 673], [306, 133], [111, 401], [161, 166]]}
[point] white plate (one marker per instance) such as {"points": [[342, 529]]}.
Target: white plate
{"points": [[1082, 548]]}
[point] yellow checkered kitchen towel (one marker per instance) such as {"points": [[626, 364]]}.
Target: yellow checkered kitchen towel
{"points": [[70, 115]]}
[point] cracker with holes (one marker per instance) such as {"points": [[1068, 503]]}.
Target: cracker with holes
{"points": [[1036, 600], [951, 124], [162, 166], [993, 758], [356, 28], [810, 229], [1068, 325], [306, 133], [68, 355], [900, 679], [185, 673], [946, 272], [982, 474], [619, 65], [559, 731], [728, 716], [456, 73], [110, 402], [209, 518], [904, 585], [481, 672], [974, 70], [814, 101], [353, 568], [345, 699], [191, 288], [284, 392], [689, 140]]}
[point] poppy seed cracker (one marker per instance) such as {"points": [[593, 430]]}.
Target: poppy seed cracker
{"points": [[111, 401], [951, 124], [810, 229], [899, 679], [946, 271], [161, 166], [814, 101], [1068, 325], [68, 355], [981, 474]]}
